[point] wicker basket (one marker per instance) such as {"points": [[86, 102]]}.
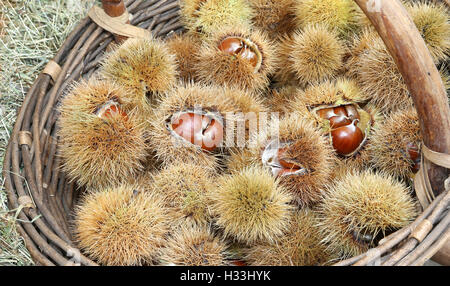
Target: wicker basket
{"points": [[35, 184]]}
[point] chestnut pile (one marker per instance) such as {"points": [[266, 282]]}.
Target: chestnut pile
{"points": [[269, 132]]}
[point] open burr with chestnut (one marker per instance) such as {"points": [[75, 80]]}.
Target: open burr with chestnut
{"points": [[335, 106], [191, 123], [236, 56], [296, 153], [188, 125], [395, 146], [346, 135], [103, 139]]}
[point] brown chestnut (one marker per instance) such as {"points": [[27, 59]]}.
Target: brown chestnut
{"points": [[200, 130], [414, 155], [231, 45], [347, 139], [249, 55], [274, 157], [326, 113], [339, 121], [287, 166], [340, 110], [238, 47]]}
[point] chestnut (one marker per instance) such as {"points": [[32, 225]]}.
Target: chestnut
{"points": [[231, 45], [339, 121], [414, 154], [274, 157], [347, 139], [326, 113], [198, 129], [288, 166], [239, 47], [340, 110], [109, 110], [345, 134], [250, 55]]}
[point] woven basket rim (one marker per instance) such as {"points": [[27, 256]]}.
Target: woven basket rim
{"points": [[51, 197]]}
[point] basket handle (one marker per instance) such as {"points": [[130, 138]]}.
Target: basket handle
{"points": [[115, 8], [424, 82]]}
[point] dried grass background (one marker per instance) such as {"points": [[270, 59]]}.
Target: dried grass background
{"points": [[30, 34]]}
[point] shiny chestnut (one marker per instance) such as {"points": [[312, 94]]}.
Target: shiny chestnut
{"points": [[347, 139], [199, 129], [340, 111], [287, 165], [349, 111], [326, 113], [346, 136], [239, 47], [231, 45], [250, 55]]}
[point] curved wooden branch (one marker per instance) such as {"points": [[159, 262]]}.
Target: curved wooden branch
{"points": [[115, 8], [424, 82]]}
